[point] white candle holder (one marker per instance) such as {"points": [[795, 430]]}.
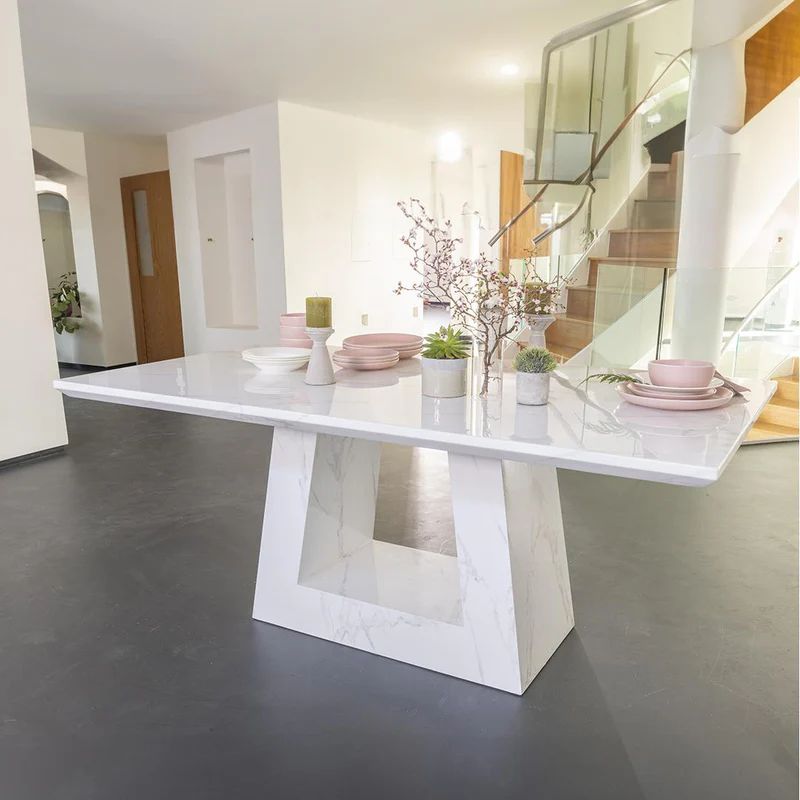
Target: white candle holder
{"points": [[320, 370]]}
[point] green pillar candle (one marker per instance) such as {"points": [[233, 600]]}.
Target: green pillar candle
{"points": [[318, 312]]}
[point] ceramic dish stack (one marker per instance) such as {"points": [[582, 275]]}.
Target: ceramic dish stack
{"points": [[678, 385], [407, 345], [368, 359], [277, 360], [293, 331]]}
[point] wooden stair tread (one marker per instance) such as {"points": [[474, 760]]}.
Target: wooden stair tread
{"points": [[782, 402], [645, 262], [645, 230], [768, 432]]}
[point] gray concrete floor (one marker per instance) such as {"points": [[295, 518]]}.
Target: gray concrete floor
{"points": [[130, 667]]}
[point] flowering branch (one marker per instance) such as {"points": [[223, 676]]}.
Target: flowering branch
{"points": [[488, 303]]}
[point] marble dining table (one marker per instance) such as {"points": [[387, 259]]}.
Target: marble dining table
{"points": [[495, 612]]}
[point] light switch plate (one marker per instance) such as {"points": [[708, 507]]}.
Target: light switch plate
{"points": [[365, 319]]}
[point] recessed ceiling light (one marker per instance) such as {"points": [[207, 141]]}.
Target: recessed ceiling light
{"points": [[509, 70], [450, 148]]}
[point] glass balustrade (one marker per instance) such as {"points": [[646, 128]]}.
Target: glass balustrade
{"points": [[760, 339]]}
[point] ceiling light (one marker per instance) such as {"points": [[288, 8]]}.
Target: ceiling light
{"points": [[450, 148], [509, 70]]}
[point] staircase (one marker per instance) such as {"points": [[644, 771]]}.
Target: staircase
{"points": [[780, 419], [608, 293]]}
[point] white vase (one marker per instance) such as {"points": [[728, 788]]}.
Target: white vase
{"points": [[444, 377], [533, 388], [538, 323]]}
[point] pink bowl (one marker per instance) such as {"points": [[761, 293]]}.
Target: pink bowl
{"points": [[295, 319], [285, 341], [294, 332], [680, 372]]}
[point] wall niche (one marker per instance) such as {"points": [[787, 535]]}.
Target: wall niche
{"points": [[223, 187]]}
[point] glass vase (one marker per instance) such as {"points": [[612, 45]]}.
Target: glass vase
{"points": [[487, 368]]}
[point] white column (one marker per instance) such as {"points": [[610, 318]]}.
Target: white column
{"points": [[716, 109], [31, 411]]}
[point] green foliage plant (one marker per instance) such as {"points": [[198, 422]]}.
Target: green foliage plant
{"points": [[65, 304]]}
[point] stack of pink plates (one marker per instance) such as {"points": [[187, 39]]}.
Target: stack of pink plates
{"points": [[293, 331], [673, 398], [373, 358], [406, 344]]}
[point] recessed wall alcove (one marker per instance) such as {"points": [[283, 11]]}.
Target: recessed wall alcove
{"points": [[223, 187]]}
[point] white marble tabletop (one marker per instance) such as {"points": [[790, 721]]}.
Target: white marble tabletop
{"points": [[587, 428]]}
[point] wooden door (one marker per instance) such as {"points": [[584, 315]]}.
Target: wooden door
{"points": [[153, 266]]}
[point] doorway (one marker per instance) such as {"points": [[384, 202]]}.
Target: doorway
{"points": [[152, 265]]}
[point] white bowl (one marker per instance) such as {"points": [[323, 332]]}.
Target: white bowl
{"points": [[274, 353], [278, 369]]}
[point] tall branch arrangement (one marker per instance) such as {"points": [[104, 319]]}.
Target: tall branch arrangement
{"points": [[488, 303]]}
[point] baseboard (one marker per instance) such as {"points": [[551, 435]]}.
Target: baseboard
{"points": [[93, 367], [39, 454]]}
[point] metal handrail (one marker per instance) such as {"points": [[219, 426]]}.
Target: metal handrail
{"points": [[586, 176], [750, 316], [576, 34]]}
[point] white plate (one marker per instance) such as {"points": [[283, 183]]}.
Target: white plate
{"points": [[715, 384]]}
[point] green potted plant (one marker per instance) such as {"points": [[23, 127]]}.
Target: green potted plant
{"points": [[65, 304], [445, 356], [533, 365]]}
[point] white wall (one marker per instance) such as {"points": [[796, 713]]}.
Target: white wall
{"points": [[254, 130], [342, 178], [325, 188], [31, 411], [90, 166]]}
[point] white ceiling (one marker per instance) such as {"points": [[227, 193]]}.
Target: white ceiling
{"points": [[156, 65]]}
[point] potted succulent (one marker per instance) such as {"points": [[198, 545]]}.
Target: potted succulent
{"points": [[445, 356], [533, 365]]}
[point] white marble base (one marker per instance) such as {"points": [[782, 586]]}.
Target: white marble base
{"points": [[494, 614]]}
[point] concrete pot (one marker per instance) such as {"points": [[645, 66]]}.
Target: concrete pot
{"points": [[444, 377], [533, 388]]}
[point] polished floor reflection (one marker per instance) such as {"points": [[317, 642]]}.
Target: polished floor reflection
{"points": [[129, 666]]}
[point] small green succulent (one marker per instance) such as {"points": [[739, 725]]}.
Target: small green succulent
{"points": [[534, 359], [447, 342]]}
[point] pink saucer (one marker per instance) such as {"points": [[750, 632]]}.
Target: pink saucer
{"points": [[372, 359], [700, 394], [721, 397]]}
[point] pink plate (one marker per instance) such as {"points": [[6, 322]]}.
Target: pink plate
{"points": [[371, 354], [372, 360], [406, 344], [700, 394], [720, 397]]}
